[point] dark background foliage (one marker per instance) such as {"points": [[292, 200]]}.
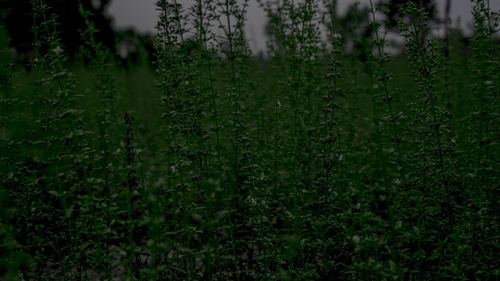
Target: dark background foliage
{"points": [[17, 16]]}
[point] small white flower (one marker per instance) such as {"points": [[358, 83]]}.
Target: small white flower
{"points": [[336, 35], [488, 83], [251, 201], [58, 50], [356, 238], [173, 169], [279, 104]]}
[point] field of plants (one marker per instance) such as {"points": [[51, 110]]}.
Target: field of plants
{"points": [[328, 159]]}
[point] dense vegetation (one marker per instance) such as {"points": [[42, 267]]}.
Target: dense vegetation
{"points": [[328, 160]]}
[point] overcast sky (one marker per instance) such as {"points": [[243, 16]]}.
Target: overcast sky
{"points": [[141, 15]]}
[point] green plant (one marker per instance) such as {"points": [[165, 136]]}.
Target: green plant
{"points": [[320, 160]]}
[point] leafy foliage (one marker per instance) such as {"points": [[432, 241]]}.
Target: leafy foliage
{"points": [[319, 162]]}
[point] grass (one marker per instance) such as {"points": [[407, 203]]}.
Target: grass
{"points": [[319, 162]]}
